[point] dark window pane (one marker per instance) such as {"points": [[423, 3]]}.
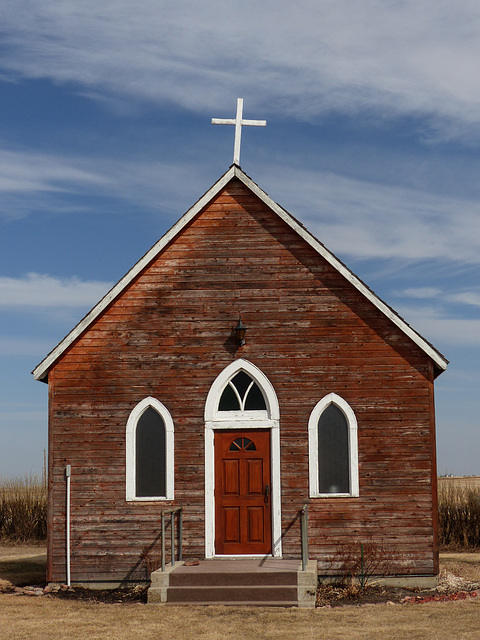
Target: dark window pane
{"points": [[242, 444], [228, 400], [249, 445], [241, 381], [333, 453], [236, 444], [150, 462], [255, 400]]}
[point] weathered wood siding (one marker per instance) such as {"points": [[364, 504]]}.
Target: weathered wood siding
{"points": [[168, 336]]}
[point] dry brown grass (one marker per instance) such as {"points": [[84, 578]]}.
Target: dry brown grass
{"points": [[23, 509], [463, 482], [48, 618], [463, 564], [459, 512], [22, 566]]}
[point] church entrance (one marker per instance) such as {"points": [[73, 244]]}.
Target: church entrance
{"points": [[243, 520]]}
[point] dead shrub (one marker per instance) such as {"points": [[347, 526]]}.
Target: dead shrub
{"points": [[359, 563]]}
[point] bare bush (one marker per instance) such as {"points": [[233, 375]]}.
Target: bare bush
{"points": [[359, 563]]}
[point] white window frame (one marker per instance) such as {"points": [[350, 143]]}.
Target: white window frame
{"points": [[242, 420], [132, 422], [345, 408]]}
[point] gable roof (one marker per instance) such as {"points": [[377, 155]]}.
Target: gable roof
{"points": [[41, 371]]}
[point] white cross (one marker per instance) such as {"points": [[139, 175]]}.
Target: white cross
{"points": [[238, 122]]}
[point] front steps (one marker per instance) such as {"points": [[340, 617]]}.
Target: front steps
{"points": [[241, 582]]}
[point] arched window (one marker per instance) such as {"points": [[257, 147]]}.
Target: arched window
{"points": [[149, 449], [242, 393], [333, 451]]}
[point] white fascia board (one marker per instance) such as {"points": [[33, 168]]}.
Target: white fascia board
{"points": [[41, 371], [435, 355]]}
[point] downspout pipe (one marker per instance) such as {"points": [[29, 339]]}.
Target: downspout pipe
{"points": [[68, 473]]}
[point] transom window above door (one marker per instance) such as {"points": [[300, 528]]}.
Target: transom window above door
{"points": [[242, 393]]}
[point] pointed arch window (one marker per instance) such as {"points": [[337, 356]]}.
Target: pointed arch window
{"points": [[149, 449], [242, 393], [333, 450]]}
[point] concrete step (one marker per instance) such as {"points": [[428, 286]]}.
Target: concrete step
{"points": [[221, 578], [242, 582], [239, 603], [221, 594]]}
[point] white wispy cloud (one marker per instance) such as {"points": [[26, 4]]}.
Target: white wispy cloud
{"points": [[392, 57], [30, 172], [356, 218], [43, 291], [363, 219], [421, 292], [32, 181], [442, 330], [466, 297], [16, 346]]}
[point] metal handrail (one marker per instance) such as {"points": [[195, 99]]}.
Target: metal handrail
{"points": [[304, 535], [172, 513]]}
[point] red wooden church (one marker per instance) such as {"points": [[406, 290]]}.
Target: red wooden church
{"points": [[155, 402]]}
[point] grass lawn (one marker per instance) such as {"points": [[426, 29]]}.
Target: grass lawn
{"points": [[40, 618], [53, 619]]}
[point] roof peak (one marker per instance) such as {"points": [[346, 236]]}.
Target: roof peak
{"points": [[234, 171]]}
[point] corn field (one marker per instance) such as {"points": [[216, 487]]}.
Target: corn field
{"points": [[23, 509], [459, 513]]}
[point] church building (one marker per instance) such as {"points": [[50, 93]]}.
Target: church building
{"points": [[240, 371]]}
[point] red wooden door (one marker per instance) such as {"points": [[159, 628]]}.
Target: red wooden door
{"points": [[242, 492]]}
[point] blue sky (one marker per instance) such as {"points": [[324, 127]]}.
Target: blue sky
{"points": [[372, 141]]}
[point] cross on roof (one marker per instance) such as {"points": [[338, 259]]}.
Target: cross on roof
{"points": [[238, 122]]}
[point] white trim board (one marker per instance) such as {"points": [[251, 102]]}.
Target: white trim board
{"points": [[214, 420], [346, 409], [130, 462], [41, 371]]}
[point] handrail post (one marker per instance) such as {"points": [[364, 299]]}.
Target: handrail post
{"points": [[173, 513], [304, 536], [172, 536], [180, 534], [163, 541]]}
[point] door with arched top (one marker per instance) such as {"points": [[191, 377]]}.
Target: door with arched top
{"points": [[242, 492]]}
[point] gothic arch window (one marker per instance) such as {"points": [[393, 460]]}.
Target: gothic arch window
{"points": [[242, 393], [241, 390], [149, 452], [333, 450]]}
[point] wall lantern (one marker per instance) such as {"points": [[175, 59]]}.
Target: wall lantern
{"points": [[240, 330]]}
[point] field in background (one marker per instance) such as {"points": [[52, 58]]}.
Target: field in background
{"points": [[23, 509], [459, 512], [461, 482]]}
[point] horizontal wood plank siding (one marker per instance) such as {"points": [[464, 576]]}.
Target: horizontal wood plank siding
{"points": [[169, 336]]}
